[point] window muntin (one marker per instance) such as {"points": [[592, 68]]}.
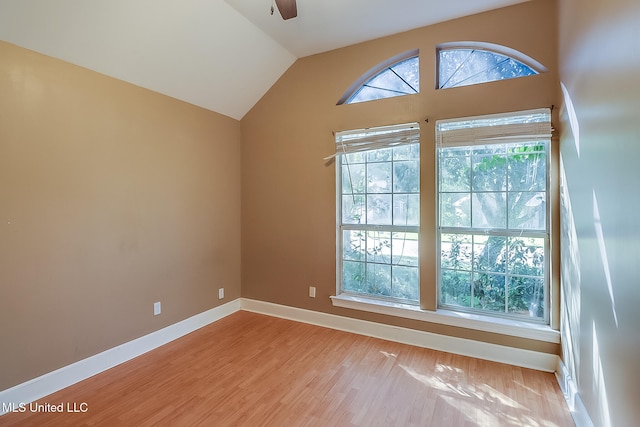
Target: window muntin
{"points": [[398, 79], [493, 216], [379, 218], [468, 66]]}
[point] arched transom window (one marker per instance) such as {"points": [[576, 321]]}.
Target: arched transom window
{"points": [[395, 77], [460, 65]]}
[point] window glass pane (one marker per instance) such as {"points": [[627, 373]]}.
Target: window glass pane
{"points": [[378, 279], [353, 245], [351, 158], [386, 193], [353, 276], [489, 291], [526, 256], [383, 155], [402, 78], [450, 61], [366, 93], [353, 210], [379, 177], [489, 210], [489, 173], [526, 296], [405, 282], [406, 176], [462, 67], [455, 173], [407, 152], [504, 247], [406, 209], [390, 81], [409, 70], [490, 253], [527, 211], [455, 210], [379, 209], [353, 179], [489, 150], [404, 249], [510, 69], [528, 172], [454, 151], [455, 288], [379, 247], [456, 251]]}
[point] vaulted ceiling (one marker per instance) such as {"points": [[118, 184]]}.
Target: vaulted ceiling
{"points": [[222, 55]]}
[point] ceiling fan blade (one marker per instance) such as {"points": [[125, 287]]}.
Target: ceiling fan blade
{"points": [[287, 8]]}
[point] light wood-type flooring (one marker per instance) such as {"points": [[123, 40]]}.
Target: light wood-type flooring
{"points": [[254, 370]]}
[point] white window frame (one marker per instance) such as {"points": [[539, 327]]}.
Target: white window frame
{"points": [[487, 135], [472, 321], [364, 140]]}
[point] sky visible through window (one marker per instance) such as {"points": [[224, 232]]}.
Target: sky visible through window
{"points": [[463, 67], [401, 78]]}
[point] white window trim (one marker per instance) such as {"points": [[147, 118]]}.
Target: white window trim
{"points": [[352, 141], [497, 325], [509, 133], [473, 321]]}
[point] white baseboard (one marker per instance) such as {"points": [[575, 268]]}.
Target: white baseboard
{"points": [[570, 391], [51, 382], [497, 353]]}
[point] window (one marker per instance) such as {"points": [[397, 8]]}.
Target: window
{"points": [[463, 66], [493, 230], [378, 212], [396, 77]]}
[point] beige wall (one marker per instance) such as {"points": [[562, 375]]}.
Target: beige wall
{"points": [[600, 146], [111, 198], [288, 192]]}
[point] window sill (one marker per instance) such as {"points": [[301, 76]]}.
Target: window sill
{"points": [[450, 318]]}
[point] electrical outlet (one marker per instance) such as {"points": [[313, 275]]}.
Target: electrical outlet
{"points": [[157, 308], [312, 291], [221, 293]]}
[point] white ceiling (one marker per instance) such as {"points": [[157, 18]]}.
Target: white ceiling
{"points": [[222, 55]]}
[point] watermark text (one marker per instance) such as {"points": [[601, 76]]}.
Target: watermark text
{"points": [[66, 407]]}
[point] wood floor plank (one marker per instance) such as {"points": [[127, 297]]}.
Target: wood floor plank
{"points": [[253, 370]]}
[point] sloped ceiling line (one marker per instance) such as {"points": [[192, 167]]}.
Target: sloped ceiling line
{"points": [[219, 55]]}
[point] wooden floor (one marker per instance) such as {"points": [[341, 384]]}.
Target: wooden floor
{"points": [[253, 370]]}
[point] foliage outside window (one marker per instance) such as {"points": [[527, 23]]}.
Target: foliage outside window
{"points": [[493, 214], [378, 183]]}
